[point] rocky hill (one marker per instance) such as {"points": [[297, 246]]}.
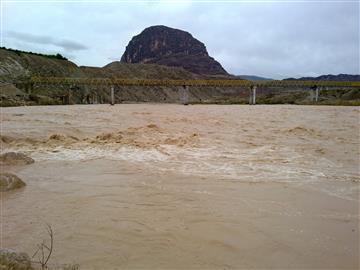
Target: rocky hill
{"points": [[18, 66], [171, 47], [162, 62]]}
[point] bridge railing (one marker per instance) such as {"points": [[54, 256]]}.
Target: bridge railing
{"points": [[198, 83]]}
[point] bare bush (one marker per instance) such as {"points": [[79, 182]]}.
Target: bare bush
{"points": [[44, 250]]}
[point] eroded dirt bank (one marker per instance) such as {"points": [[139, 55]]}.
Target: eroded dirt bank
{"points": [[171, 186]]}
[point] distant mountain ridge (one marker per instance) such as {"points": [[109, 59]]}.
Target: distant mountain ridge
{"points": [[167, 46], [329, 77]]}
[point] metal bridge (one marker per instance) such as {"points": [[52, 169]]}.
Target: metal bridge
{"points": [[210, 83], [315, 86]]}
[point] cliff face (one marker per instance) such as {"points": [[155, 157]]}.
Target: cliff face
{"points": [[171, 47]]}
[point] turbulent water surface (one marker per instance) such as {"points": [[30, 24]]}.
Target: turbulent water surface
{"points": [[171, 186]]}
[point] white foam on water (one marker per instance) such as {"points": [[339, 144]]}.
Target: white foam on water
{"points": [[243, 165], [89, 153]]}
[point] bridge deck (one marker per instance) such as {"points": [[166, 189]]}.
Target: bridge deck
{"points": [[198, 83]]}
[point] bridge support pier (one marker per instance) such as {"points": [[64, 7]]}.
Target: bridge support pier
{"points": [[314, 94], [184, 95], [252, 98], [317, 92], [112, 102]]}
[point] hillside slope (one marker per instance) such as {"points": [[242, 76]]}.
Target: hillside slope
{"points": [[15, 67], [22, 65]]}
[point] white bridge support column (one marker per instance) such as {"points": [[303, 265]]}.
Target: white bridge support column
{"points": [[184, 95], [317, 92], [252, 97], [112, 101]]}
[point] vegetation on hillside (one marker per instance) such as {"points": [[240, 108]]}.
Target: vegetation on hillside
{"points": [[19, 52]]}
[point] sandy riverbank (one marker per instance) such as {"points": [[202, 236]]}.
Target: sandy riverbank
{"points": [[171, 186]]}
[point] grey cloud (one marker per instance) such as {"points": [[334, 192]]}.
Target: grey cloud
{"points": [[71, 45], [281, 40], [268, 39], [66, 45]]}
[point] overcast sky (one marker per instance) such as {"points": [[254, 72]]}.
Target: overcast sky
{"points": [[274, 39]]}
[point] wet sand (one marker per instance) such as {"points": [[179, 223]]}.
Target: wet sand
{"points": [[186, 187]]}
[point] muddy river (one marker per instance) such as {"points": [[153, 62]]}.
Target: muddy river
{"points": [[185, 187]]}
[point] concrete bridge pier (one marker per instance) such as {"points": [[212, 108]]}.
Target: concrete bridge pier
{"points": [[112, 95], [252, 97], [314, 93], [184, 95], [69, 96], [317, 93]]}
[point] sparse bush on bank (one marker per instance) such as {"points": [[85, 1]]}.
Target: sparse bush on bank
{"points": [[11, 260]]}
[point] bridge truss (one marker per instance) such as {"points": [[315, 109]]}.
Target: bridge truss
{"points": [[314, 86], [198, 83]]}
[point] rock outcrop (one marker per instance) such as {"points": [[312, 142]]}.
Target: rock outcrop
{"points": [[12, 158], [9, 181], [171, 47], [9, 259]]}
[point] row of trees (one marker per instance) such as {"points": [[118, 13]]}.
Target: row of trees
{"points": [[18, 52]]}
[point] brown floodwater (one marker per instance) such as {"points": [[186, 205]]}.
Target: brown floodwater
{"points": [[186, 187]]}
